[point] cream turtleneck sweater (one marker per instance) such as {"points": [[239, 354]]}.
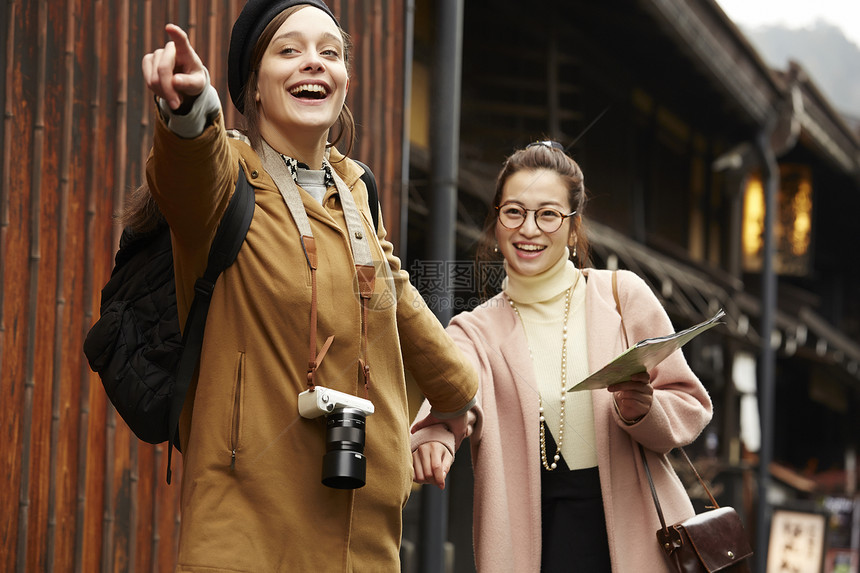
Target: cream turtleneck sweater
{"points": [[540, 301]]}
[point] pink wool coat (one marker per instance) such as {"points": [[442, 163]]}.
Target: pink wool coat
{"points": [[505, 441]]}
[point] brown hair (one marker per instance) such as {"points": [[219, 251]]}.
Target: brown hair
{"points": [[345, 121], [542, 155], [140, 211]]}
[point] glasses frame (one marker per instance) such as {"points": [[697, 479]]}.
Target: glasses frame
{"points": [[534, 216]]}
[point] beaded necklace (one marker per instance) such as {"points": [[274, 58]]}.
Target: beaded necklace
{"points": [[543, 457]]}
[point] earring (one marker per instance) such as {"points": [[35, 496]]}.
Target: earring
{"points": [[574, 251], [496, 249]]}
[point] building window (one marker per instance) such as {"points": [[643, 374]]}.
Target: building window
{"points": [[793, 223]]}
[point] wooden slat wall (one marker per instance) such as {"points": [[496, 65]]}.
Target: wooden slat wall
{"points": [[79, 492]]}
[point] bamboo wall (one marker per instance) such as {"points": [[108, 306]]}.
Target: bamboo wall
{"points": [[79, 492]]}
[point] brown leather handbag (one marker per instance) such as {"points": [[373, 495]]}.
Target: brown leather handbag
{"points": [[714, 540]]}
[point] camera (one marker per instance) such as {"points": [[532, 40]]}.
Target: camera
{"points": [[344, 464]]}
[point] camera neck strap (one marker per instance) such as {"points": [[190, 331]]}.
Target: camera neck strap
{"points": [[275, 164]]}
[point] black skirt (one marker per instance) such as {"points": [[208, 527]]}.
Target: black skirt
{"points": [[572, 519]]}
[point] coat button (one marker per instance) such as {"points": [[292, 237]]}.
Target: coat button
{"points": [[358, 235], [254, 174]]}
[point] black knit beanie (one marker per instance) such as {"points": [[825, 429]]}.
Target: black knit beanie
{"points": [[250, 24]]}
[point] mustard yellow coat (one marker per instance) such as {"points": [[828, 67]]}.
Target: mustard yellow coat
{"points": [[251, 493]]}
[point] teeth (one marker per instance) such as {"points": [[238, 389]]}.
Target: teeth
{"points": [[530, 247], [308, 88]]}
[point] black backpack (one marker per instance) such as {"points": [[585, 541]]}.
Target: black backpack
{"points": [[145, 363]]}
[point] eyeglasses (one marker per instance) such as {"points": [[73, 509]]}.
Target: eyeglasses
{"points": [[547, 143], [548, 220]]}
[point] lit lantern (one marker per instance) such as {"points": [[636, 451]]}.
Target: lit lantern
{"points": [[792, 223]]}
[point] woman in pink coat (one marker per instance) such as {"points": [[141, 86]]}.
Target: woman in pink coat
{"points": [[559, 482]]}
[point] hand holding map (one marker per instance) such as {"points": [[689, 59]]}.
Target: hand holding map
{"points": [[644, 355]]}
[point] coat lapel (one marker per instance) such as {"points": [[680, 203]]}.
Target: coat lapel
{"points": [[515, 351]]}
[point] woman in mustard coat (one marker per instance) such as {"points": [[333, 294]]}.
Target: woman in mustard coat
{"points": [[314, 299]]}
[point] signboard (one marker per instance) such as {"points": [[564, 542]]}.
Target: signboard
{"points": [[796, 542]]}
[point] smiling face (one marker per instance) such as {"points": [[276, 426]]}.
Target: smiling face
{"points": [[529, 250], [302, 79]]}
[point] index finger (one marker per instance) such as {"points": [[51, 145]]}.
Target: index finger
{"points": [[643, 377], [440, 464], [627, 385], [180, 39]]}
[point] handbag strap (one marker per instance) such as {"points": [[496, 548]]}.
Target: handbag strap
{"points": [[641, 449], [669, 541], [653, 489], [714, 503], [618, 307]]}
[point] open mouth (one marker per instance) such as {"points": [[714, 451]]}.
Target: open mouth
{"points": [[309, 91], [528, 248]]}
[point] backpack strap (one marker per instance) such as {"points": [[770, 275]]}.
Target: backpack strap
{"points": [[372, 192], [225, 246]]}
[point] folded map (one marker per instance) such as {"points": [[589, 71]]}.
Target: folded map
{"points": [[644, 355]]}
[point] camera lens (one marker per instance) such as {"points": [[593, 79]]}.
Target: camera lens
{"points": [[344, 464]]}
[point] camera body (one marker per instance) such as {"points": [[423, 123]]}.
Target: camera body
{"points": [[314, 403], [344, 464]]}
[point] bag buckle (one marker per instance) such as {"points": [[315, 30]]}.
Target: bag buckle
{"points": [[670, 540]]}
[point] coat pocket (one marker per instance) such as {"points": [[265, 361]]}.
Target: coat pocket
{"points": [[236, 416]]}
